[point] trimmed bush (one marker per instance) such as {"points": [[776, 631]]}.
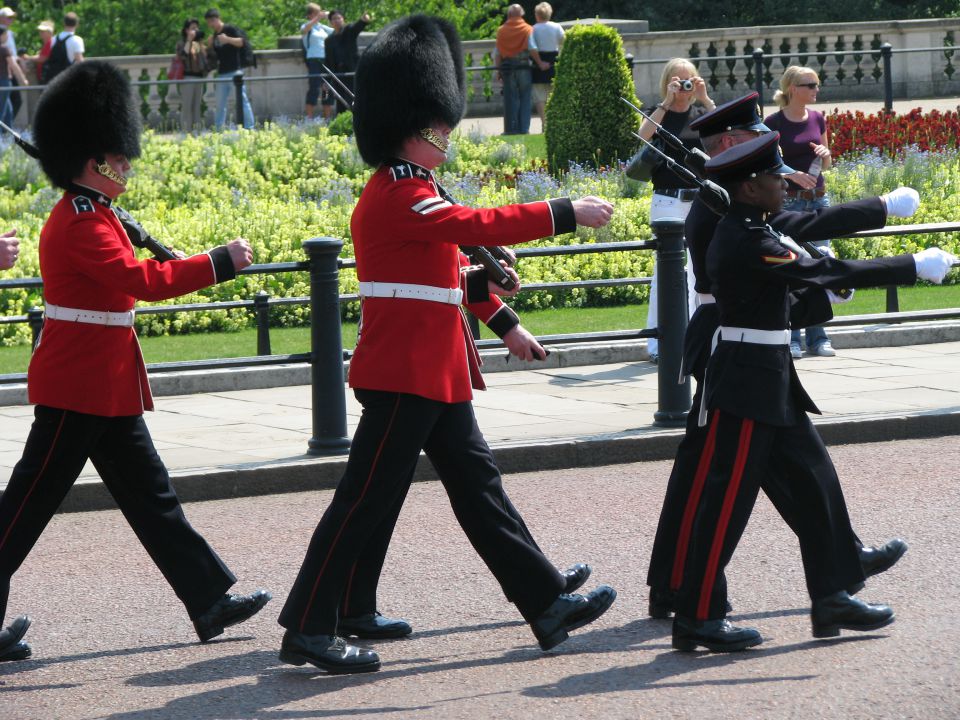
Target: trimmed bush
{"points": [[587, 123]]}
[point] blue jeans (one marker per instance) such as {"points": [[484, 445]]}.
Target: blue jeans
{"points": [[6, 106], [517, 90], [226, 92], [314, 68], [816, 335]]}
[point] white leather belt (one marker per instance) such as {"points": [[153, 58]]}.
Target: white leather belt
{"points": [[705, 299], [448, 296], [93, 317], [752, 335]]}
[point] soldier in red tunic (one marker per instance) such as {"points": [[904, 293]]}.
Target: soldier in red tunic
{"points": [[87, 376], [415, 364]]}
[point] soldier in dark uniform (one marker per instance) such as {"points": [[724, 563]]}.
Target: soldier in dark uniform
{"points": [[415, 361], [728, 125], [87, 377], [758, 421]]}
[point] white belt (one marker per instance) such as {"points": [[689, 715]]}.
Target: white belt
{"points": [[752, 335], [93, 317], [705, 299], [448, 296]]}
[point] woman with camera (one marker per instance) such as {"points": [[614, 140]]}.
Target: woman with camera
{"points": [[193, 54], [684, 98], [803, 142]]}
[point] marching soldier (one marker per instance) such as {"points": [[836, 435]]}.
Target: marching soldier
{"points": [[758, 409], [729, 125], [87, 377], [415, 362]]}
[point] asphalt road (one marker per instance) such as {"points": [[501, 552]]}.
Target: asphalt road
{"points": [[111, 641]]}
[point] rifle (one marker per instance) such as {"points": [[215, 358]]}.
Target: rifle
{"points": [[135, 232], [692, 158]]}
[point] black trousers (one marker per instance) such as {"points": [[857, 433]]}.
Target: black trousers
{"points": [[744, 453], [393, 428], [59, 444]]}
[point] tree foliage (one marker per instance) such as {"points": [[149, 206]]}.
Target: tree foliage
{"points": [[586, 120]]}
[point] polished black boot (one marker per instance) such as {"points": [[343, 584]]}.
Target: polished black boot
{"points": [[19, 651], [660, 606], [569, 612], [716, 635], [575, 576], [229, 610], [11, 647], [327, 652], [373, 626], [875, 560], [839, 611]]}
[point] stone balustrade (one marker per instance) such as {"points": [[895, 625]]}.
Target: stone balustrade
{"points": [[847, 57]]}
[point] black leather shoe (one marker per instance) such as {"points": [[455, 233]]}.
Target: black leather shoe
{"points": [[327, 652], [18, 651], [11, 635], [229, 610], [715, 635], [839, 611], [569, 612], [373, 626], [875, 560], [575, 576]]}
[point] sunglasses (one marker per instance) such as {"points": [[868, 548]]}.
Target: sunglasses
{"points": [[812, 86]]}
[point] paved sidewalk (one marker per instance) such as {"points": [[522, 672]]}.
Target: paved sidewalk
{"points": [[225, 444]]}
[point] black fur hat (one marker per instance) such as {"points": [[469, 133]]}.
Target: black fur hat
{"points": [[87, 110], [410, 76]]}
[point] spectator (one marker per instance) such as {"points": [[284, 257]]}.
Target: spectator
{"points": [[549, 37], [341, 49], [227, 43], [6, 20], [515, 48], [803, 141], [10, 72], [45, 28], [314, 48], [67, 48], [680, 88], [193, 53]]}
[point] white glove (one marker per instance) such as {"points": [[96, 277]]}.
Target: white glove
{"points": [[902, 202], [828, 251], [933, 264], [837, 299]]}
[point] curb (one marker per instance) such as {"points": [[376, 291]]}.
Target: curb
{"points": [[310, 473]]}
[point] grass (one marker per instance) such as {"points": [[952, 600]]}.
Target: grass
{"points": [[536, 144], [286, 341]]}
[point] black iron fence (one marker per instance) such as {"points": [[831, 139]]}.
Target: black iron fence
{"points": [[327, 355]]}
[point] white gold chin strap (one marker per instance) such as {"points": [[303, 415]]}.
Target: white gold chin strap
{"points": [[435, 139]]}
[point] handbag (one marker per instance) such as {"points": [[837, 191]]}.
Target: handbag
{"points": [[642, 165], [177, 69]]}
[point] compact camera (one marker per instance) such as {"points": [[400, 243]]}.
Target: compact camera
{"points": [[686, 85]]}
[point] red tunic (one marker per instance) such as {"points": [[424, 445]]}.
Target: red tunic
{"points": [[87, 262], [404, 231]]}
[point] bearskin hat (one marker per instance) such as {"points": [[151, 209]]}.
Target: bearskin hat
{"points": [[409, 77], [88, 110]]}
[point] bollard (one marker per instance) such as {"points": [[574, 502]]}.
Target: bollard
{"points": [[261, 309], [329, 402], [758, 77], [35, 320], [673, 398], [238, 88], [886, 51], [893, 299]]}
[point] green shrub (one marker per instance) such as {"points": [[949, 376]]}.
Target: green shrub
{"points": [[342, 124], [587, 122]]}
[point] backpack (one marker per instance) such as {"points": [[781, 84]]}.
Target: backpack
{"points": [[247, 58], [57, 61]]}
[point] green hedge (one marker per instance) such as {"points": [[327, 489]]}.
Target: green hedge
{"points": [[283, 184]]}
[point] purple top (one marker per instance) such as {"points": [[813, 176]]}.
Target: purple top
{"points": [[795, 139]]}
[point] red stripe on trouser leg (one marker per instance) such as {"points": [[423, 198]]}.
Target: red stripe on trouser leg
{"points": [[336, 538], [729, 499], [33, 486], [696, 490]]}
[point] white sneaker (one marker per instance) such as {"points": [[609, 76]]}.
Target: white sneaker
{"points": [[825, 349], [795, 352]]}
